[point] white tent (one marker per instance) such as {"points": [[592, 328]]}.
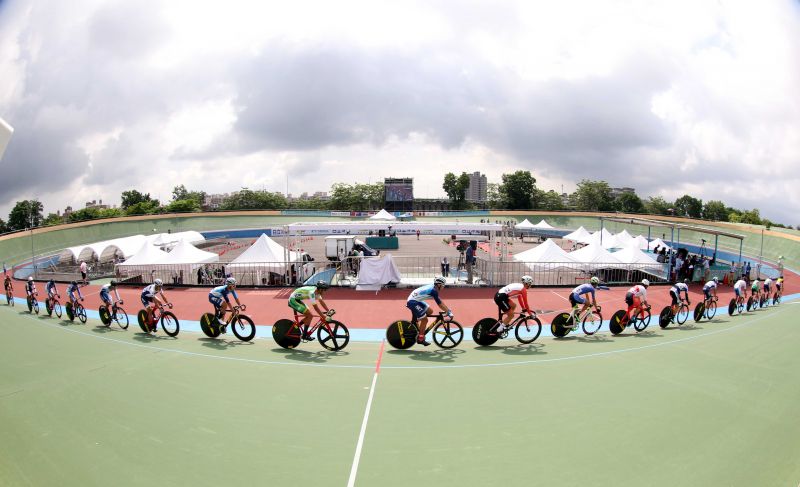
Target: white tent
{"points": [[524, 225], [577, 235], [186, 253], [641, 242], [632, 255], [382, 215], [167, 239], [376, 272], [146, 255], [543, 225], [615, 242], [264, 251], [122, 247], [660, 243], [547, 253], [595, 254], [624, 236]]}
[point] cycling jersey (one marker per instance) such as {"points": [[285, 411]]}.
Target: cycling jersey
{"points": [[779, 283], [71, 289], [517, 290], [50, 287], [305, 292], [638, 291], [423, 293], [739, 287], [679, 288], [30, 287], [709, 286], [767, 283], [105, 295], [755, 285], [583, 289], [223, 292]]}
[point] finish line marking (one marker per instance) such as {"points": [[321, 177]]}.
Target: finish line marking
{"points": [[357, 457]]}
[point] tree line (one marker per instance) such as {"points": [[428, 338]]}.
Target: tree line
{"points": [[516, 191]]}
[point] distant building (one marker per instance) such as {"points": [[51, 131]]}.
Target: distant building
{"points": [[616, 192], [477, 187], [95, 204], [215, 201]]}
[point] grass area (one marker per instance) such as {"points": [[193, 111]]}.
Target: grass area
{"points": [[705, 404]]}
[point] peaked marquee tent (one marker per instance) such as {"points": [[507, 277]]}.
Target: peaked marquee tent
{"points": [[544, 255], [524, 225], [595, 254], [577, 235], [186, 253], [543, 225], [382, 215]]}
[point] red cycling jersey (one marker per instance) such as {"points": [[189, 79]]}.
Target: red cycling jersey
{"points": [[519, 291]]}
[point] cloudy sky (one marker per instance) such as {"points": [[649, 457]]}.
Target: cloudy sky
{"points": [[669, 97]]}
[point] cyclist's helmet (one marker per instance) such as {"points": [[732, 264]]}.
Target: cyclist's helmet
{"points": [[645, 282], [158, 282], [230, 281], [527, 280], [113, 283], [439, 280], [30, 278], [686, 281], [594, 281], [322, 285], [74, 283], [716, 280]]}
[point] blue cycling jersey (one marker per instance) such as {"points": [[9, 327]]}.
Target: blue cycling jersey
{"points": [[73, 288], [223, 292], [583, 289], [425, 292]]}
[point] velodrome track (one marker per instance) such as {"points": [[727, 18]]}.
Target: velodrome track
{"points": [[704, 404]]}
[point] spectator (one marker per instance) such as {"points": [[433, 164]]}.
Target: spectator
{"points": [[780, 265], [83, 272], [445, 267], [469, 258], [418, 234], [747, 269], [200, 272], [706, 270]]}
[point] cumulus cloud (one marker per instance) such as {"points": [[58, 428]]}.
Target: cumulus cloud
{"points": [[685, 97]]}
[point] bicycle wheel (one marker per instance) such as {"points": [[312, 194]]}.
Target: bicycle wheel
{"points": [[170, 324], [740, 306], [699, 312], [121, 318], [80, 312], [750, 303], [105, 316], [333, 335], [30, 304], [711, 310], [776, 299], [36, 306], [481, 332], [683, 314], [762, 302], [10, 298], [244, 328], [401, 334], [70, 312], [141, 317], [592, 322], [210, 325], [448, 334], [617, 323], [731, 306], [665, 317], [561, 325], [528, 329], [286, 333], [48, 308], [642, 320], [57, 309]]}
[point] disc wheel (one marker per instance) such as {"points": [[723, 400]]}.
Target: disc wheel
{"points": [[332, 335], [80, 312], [70, 312], [170, 324], [105, 316], [699, 312], [642, 320], [244, 328], [616, 324], [448, 334], [559, 327], [141, 317], [592, 322], [47, 307], [210, 325], [401, 334], [29, 301], [121, 318], [481, 332], [286, 334], [528, 329], [732, 307], [750, 303], [665, 317]]}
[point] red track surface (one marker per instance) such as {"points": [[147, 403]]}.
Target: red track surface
{"points": [[364, 309]]}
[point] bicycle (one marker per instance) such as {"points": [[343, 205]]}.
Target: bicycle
{"points": [[243, 327], [9, 297], [564, 323], [666, 317], [332, 335], [76, 310], [117, 315], [620, 320], [447, 333], [736, 305], [169, 322], [33, 303], [751, 303], [705, 310], [53, 305], [527, 328], [776, 298]]}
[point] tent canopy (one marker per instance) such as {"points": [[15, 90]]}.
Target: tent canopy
{"points": [[548, 251], [660, 243], [577, 235], [632, 255], [146, 255], [543, 225], [524, 225], [186, 253], [382, 215], [265, 253], [595, 254]]}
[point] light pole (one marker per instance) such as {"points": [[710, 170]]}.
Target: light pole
{"points": [[30, 223]]}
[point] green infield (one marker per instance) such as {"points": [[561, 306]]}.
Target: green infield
{"points": [[704, 404]]}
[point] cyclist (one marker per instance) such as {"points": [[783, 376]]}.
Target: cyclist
{"points": [[30, 288], [779, 286], [767, 285], [636, 296], [755, 290], [220, 293], [52, 292], [150, 299], [506, 305], [105, 295], [312, 294], [576, 297], [675, 293], [420, 309], [710, 288], [7, 284], [71, 290], [740, 289]]}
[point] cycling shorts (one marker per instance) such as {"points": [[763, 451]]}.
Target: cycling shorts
{"points": [[105, 297], [575, 299], [737, 292], [297, 305], [501, 300], [674, 296], [418, 308], [146, 300], [629, 299], [707, 293], [215, 300]]}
